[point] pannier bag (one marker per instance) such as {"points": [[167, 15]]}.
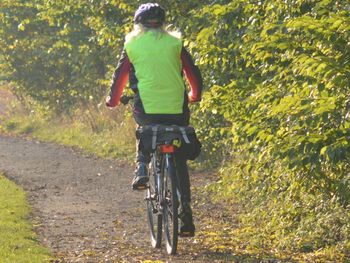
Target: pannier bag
{"points": [[184, 137]]}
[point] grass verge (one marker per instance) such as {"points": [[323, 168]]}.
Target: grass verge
{"points": [[18, 242], [104, 132]]}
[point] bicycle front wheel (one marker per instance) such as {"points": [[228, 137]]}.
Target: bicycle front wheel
{"points": [[154, 215], [170, 205]]}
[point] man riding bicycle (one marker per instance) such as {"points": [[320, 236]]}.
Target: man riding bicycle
{"points": [[155, 61]]}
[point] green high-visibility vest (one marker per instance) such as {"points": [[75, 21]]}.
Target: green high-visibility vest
{"points": [[156, 58]]}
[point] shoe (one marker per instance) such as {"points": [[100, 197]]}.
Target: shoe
{"points": [[187, 230], [187, 227], [141, 177]]}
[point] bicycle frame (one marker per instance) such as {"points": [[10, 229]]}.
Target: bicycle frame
{"points": [[157, 157]]}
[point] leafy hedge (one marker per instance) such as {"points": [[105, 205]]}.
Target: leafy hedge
{"points": [[287, 106], [275, 114]]}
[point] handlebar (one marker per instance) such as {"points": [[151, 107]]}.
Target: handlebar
{"points": [[125, 99]]}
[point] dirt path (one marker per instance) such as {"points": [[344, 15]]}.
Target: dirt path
{"points": [[83, 204]]}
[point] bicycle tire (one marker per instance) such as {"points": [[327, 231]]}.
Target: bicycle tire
{"points": [[154, 214], [170, 205]]}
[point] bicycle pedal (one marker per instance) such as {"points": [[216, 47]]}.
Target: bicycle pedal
{"points": [[140, 187]]}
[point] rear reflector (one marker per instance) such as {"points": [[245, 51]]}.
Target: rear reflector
{"points": [[167, 148]]}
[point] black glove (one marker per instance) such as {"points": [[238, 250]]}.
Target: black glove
{"points": [[125, 99]]}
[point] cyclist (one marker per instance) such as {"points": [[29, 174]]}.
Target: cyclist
{"points": [[155, 61]]}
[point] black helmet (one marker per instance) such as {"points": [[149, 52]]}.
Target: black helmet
{"points": [[150, 11]]}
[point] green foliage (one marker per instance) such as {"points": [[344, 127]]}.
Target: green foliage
{"points": [[17, 240], [57, 51], [287, 106]]}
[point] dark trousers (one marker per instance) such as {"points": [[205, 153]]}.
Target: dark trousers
{"points": [[181, 163]]}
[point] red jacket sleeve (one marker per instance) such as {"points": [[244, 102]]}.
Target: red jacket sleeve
{"points": [[193, 76], [119, 80]]}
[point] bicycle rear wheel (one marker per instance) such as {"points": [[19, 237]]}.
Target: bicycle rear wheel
{"points": [[170, 205], [154, 214]]}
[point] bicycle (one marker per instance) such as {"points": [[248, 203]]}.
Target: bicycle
{"points": [[163, 197], [162, 193]]}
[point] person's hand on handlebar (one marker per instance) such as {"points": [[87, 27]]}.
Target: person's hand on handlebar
{"points": [[109, 102], [123, 100]]}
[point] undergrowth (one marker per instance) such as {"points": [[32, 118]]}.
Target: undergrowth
{"points": [[104, 132], [285, 222]]}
